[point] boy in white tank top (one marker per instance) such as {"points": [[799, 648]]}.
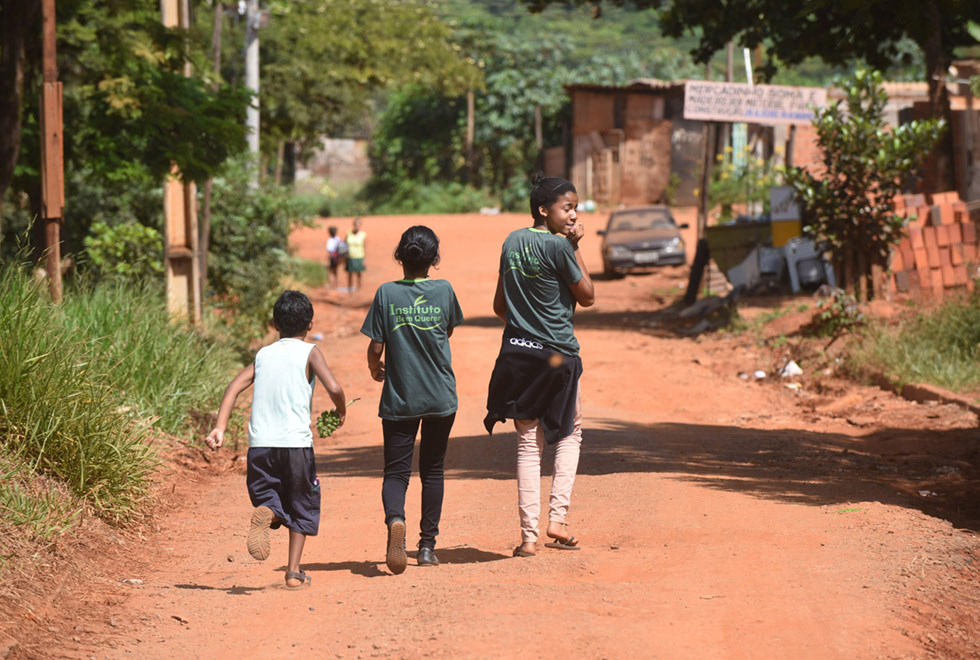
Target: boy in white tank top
{"points": [[281, 477]]}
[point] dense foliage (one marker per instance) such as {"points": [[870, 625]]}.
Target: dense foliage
{"points": [[130, 250], [130, 115], [420, 139], [248, 260], [323, 63], [850, 204]]}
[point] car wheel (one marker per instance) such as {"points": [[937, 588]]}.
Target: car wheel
{"points": [[609, 272]]}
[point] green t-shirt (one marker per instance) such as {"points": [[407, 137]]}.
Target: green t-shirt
{"points": [[413, 319], [537, 268]]}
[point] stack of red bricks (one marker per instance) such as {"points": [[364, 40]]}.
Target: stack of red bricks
{"points": [[940, 250]]}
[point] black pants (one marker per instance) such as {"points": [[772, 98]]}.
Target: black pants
{"points": [[399, 438]]}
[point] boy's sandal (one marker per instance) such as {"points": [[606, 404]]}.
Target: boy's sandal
{"points": [[520, 552], [304, 579]]}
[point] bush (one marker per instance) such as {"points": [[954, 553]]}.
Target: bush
{"points": [[129, 250], [941, 347], [837, 312], [440, 197], [308, 273], [248, 257]]}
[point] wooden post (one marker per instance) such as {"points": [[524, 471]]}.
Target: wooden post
{"points": [[708, 135], [790, 146], [470, 129], [180, 235], [204, 238], [52, 151]]}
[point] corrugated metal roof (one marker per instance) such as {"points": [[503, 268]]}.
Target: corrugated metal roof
{"points": [[635, 85]]}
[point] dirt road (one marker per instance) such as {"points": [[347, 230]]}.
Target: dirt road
{"points": [[719, 518]]}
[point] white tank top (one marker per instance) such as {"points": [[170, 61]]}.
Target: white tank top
{"points": [[283, 396]]}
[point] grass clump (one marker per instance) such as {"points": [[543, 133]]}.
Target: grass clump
{"points": [[60, 416], [83, 384], [940, 347], [308, 272], [161, 370]]}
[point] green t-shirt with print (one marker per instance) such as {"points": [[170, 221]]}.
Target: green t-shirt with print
{"points": [[537, 268], [413, 319]]}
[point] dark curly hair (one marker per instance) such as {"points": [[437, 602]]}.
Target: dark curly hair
{"points": [[292, 313]]}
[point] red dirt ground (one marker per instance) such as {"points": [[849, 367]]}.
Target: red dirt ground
{"points": [[718, 517]]}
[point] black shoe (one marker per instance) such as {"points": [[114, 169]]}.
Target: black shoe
{"points": [[427, 557], [395, 558]]}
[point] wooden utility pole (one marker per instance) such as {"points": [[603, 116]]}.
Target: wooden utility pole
{"points": [[52, 151], [180, 237], [204, 239], [701, 253], [470, 129], [707, 159]]}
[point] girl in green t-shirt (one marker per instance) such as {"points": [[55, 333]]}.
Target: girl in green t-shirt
{"points": [[409, 324], [542, 277]]}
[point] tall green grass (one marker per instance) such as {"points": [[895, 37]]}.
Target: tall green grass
{"points": [[940, 346], [83, 384], [308, 272], [162, 369], [59, 413]]}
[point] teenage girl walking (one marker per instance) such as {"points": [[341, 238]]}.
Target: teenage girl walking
{"points": [[535, 380], [409, 324]]}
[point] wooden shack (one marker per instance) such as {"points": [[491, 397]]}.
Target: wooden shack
{"points": [[627, 141]]}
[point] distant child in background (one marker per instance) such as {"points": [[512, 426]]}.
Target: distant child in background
{"points": [[356, 250], [281, 475], [410, 323], [336, 250]]}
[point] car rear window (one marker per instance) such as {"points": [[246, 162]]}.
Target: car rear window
{"points": [[640, 220]]}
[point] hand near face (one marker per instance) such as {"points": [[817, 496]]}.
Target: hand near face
{"points": [[575, 233]]}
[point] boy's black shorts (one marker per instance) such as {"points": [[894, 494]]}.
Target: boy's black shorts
{"points": [[284, 479]]}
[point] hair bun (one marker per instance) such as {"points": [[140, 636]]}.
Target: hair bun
{"points": [[413, 249], [537, 178]]}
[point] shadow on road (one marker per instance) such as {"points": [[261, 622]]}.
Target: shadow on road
{"points": [[664, 322], [236, 590], [362, 568], [932, 471], [466, 555]]}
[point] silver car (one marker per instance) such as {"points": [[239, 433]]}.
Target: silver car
{"points": [[640, 238]]}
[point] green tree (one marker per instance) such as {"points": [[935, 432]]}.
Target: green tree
{"points": [[324, 63], [526, 61], [130, 114], [851, 204]]}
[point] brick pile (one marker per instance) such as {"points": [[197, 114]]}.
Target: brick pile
{"points": [[939, 254]]}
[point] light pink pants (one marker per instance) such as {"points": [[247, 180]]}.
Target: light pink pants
{"points": [[530, 446]]}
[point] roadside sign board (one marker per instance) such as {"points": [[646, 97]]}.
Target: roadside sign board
{"points": [[753, 104], [783, 204]]}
